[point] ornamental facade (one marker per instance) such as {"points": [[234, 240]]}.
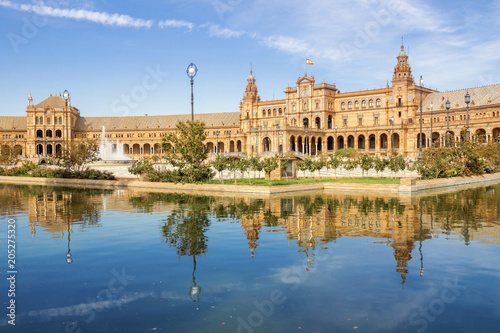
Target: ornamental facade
{"points": [[313, 119]]}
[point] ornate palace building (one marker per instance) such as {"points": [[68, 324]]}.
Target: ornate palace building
{"points": [[313, 119]]}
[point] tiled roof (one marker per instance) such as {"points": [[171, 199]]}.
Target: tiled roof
{"points": [[479, 96], [52, 102], [227, 119], [8, 122]]}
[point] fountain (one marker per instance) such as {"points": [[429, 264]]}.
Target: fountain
{"points": [[110, 152]]}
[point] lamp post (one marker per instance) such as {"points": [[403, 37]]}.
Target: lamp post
{"points": [[420, 135], [447, 121], [25, 148], [191, 73], [467, 101], [306, 142], [432, 106], [217, 144], [392, 137], [278, 134], [66, 98], [229, 134]]}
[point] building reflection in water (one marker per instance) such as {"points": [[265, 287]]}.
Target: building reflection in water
{"points": [[311, 221]]}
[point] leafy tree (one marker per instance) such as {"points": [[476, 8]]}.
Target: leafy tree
{"points": [[184, 148], [220, 164], [319, 164], [284, 168], [334, 163], [232, 164], [80, 154], [256, 164], [366, 163], [379, 164], [243, 165], [269, 165], [350, 164], [9, 155]]}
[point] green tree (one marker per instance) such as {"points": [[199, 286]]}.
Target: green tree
{"points": [[334, 163], [319, 164], [220, 164], [284, 168], [243, 165], [269, 165], [350, 164], [80, 154], [256, 164], [184, 148], [379, 164], [366, 163]]}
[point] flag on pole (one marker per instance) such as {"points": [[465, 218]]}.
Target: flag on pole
{"points": [[309, 62]]}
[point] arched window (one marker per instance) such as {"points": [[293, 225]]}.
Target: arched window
{"points": [[356, 104], [349, 105], [58, 134], [363, 104], [269, 113], [60, 120], [280, 112], [41, 120], [36, 120], [342, 106], [378, 102], [48, 120], [274, 112], [263, 113], [370, 103]]}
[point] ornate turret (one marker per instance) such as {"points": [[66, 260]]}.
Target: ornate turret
{"points": [[30, 100], [251, 91], [402, 71]]}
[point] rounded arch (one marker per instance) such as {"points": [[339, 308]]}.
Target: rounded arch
{"points": [[435, 138], [231, 146], [294, 122], [330, 122], [220, 147], [58, 133], [49, 149], [39, 149], [39, 134], [395, 140], [305, 122], [58, 149], [313, 146], [496, 133], [320, 146], [300, 144], [238, 146], [383, 141], [292, 143], [136, 149], [318, 122], [480, 135], [210, 147], [371, 141], [157, 148], [329, 143], [424, 144], [350, 141], [48, 133], [146, 150], [266, 144], [126, 148], [361, 142], [340, 142]]}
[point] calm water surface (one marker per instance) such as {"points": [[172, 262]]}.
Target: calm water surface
{"points": [[133, 261]]}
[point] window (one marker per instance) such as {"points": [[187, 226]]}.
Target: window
{"points": [[356, 105], [55, 120], [293, 107], [370, 103], [48, 120], [344, 122], [360, 121], [305, 106], [349, 105], [263, 113], [342, 107], [363, 104], [378, 102], [36, 120], [60, 120], [399, 114], [375, 120], [41, 120], [280, 112], [269, 113], [274, 112], [317, 105]]}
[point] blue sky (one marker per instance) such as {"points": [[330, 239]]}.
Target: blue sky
{"points": [[129, 57]]}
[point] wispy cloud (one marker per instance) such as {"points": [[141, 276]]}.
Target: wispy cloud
{"points": [[80, 14], [215, 30], [176, 24]]}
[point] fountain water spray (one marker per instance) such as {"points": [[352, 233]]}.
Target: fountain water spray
{"points": [[111, 152]]}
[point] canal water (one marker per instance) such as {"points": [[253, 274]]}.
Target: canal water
{"points": [[91, 260]]}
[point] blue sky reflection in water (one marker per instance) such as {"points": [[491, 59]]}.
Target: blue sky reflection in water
{"points": [[327, 262]]}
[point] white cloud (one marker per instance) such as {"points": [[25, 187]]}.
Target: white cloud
{"points": [[176, 24], [215, 30], [80, 15]]}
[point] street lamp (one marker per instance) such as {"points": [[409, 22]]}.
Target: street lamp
{"points": [[66, 98], [498, 143], [191, 73], [345, 141], [278, 133], [392, 137], [467, 101], [217, 145], [229, 133], [432, 106], [420, 136], [447, 121], [306, 142]]}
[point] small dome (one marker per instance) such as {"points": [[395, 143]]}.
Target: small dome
{"points": [[402, 53]]}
